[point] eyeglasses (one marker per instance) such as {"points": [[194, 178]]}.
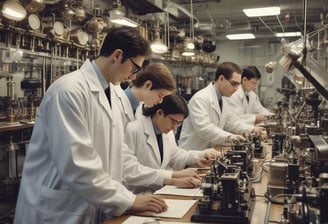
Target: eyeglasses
{"points": [[136, 68], [233, 83], [175, 122]]}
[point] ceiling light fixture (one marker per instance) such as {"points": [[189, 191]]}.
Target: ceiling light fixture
{"points": [[258, 12], [189, 44], [288, 34], [241, 36], [12, 10], [116, 15], [157, 46]]}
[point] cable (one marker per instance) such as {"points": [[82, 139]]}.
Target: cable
{"points": [[282, 27], [272, 200], [266, 25], [267, 213]]}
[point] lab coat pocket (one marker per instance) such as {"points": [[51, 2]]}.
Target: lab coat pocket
{"points": [[58, 206]]}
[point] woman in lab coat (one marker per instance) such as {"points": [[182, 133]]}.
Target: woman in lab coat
{"points": [[72, 171], [245, 103], [148, 89], [210, 124], [145, 149]]}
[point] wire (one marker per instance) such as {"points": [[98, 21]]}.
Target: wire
{"points": [[267, 213], [266, 25], [272, 199], [282, 27]]}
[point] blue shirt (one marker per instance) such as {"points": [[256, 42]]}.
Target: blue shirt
{"points": [[218, 94], [100, 76], [134, 102]]}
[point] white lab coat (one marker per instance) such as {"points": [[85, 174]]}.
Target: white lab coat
{"points": [[246, 111], [144, 156], [206, 126], [73, 164], [124, 105]]}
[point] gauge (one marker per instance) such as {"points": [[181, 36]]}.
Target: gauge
{"points": [[34, 21], [58, 28]]}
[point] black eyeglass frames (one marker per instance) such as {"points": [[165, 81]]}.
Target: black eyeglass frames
{"points": [[136, 68]]}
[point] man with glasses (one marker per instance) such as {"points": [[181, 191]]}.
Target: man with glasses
{"points": [[73, 171], [211, 121], [244, 102], [154, 159]]}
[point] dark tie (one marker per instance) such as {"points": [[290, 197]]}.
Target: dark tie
{"points": [[107, 92], [247, 98], [160, 145], [220, 103]]}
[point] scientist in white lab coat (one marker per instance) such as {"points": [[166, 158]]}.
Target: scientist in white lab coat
{"points": [[152, 147], [72, 172], [245, 103], [148, 88], [210, 121]]}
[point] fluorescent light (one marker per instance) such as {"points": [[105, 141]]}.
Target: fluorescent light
{"points": [[188, 53], [124, 21], [241, 36], [289, 34], [257, 12], [117, 16]]}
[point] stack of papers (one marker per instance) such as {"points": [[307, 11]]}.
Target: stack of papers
{"points": [[173, 190], [176, 209], [147, 220]]}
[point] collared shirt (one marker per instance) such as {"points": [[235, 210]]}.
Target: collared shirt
{"points": [[100, 76], [219, 95], [159, 138], [134, 102], [246, 96], [157, 131]]}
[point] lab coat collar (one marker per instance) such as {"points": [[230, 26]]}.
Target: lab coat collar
{"points": [[151, 138], [94, 84], [214, 97]]}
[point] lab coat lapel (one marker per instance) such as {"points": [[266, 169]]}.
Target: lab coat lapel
{"points": [[166, 145], [124, 100], [151, 138], [215, 100], [96, 88], [242, 96]]}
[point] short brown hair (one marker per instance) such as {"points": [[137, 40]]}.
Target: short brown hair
{"points": [[226, 69], [158, 74], [172, 104]]}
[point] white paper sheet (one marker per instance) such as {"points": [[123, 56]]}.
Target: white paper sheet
{"points": [[176, 208], [173, 190], [149, 220]]}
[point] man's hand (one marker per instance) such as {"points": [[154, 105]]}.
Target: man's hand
{"points": [[185, 173], [260, 131], [212, 154], [148, 202], [259, 118], [236, 138], [186, 182], [203, 163]]}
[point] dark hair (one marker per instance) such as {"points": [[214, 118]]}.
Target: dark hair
{"points": [[158, 74], [172, 104], [226, 69], [251, 72], [127, 39]]}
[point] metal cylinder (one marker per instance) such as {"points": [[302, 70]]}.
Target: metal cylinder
{"points": [[11, 89]]}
